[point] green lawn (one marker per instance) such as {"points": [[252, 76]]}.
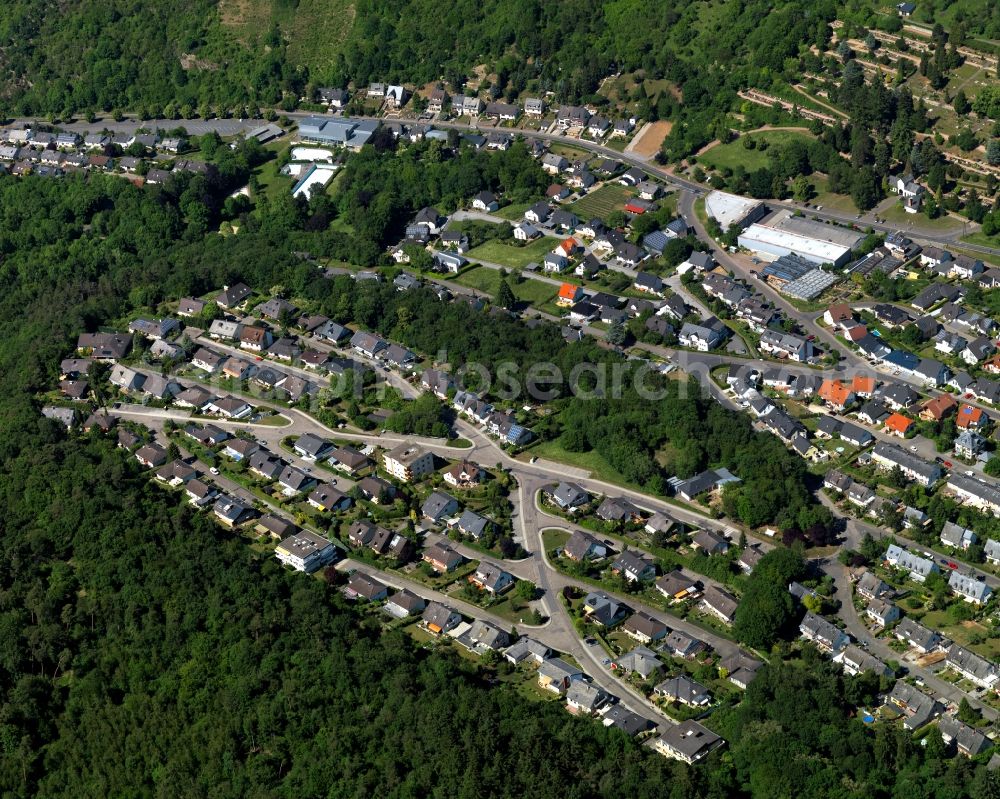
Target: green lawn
{"points": [[601, 202], [943, 224], [514, 211], [482, 278], [514, 257], [598, 467], [735, 154]]}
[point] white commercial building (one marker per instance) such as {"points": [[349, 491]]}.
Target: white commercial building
{"points": [[731, 209], [815, 242]]}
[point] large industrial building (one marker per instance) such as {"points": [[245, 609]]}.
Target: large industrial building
{"points": [[731, 209], [816, 242]]}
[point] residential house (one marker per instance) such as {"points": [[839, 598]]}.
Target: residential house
{"points": [[527, 649], [916, 636], [702, 337], [275, 526], [364, 586], [918, 567], [683, 690], [603, 610], [439, 618], [404, 603], [888, 456], [882, 613], [556, 675], [898, 425], [871, 587], [438, 506], [408, 462], [688, 742], [640, 661], [645, 628], [708, 480], [492, 579], [472, 524], [634, 567], [974, 668], [970, 587], [233, 296], [329, 498], [720, 603], [974, 492], [709, 542], [676, 586], [442, 558], [740, 668], [569, 496], [824, 634], [294, 481], [854, 660], [837, 395], [918, 708], [969, 417], [968, 740], [305, 551], [956, 536], [968, 444], [618, 509]]}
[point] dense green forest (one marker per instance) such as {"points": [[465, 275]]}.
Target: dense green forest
{"points": [[146, 653], [224, 56]]}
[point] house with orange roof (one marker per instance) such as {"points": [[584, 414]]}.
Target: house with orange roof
{"points": [[836, 394], [567, 247], [569, 295], [970, 417], [863, 386], [937, 408], [898, 425]]}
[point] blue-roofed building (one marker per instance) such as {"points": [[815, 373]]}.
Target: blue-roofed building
{"points": [[517, 435], [353, 133], [788, 268], [901, 359], [655, 241]]}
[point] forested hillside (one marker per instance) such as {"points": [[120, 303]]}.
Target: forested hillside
{"points": [[72, 57]]}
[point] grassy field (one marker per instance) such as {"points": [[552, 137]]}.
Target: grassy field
{"points": [[734, 154], [482, 278], [601, 202], [514, 211], [515, 257], [598, 467], [572, 153], [943, 224]]}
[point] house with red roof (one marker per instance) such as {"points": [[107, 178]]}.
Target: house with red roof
{"points": [[970, 417], [569, 295], [836, 394], [567, 247], [898, 425], [937, 408]]}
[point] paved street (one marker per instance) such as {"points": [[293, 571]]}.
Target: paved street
{"points": [[534, 474]]}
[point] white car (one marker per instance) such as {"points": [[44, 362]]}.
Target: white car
{"points": [[213, 470]]}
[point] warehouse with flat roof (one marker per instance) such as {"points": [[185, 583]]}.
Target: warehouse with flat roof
{"points": [[731, 209], [784, 234]]}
